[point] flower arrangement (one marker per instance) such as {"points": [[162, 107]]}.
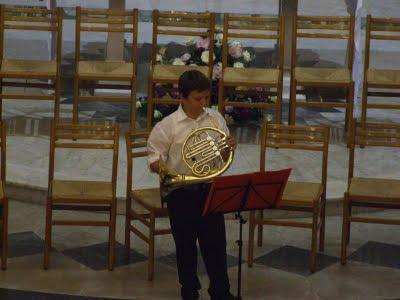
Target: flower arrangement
{"points": [[198, 54]]}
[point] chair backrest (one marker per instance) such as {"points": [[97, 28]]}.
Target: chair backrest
{"points": [[261, 28], [3, 146], [136, 146], [371, 134], [184, 24], [323, 27], [296, 137], [106, 21], [384, 29], [75, 136], [33, 19]]}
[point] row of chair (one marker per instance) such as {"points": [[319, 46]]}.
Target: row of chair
{"points": [[144, 205], [123, 75]]}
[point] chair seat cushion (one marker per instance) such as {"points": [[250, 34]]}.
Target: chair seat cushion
{"points": [[29, 67], [171, 72], [301, 193], [328, 75], [375, 189], [149, 198], [251, 75], [74, 191], [375, 76], [105, 69]]}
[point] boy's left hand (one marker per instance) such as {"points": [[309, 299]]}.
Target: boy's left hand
{"points": [[231, 141]]}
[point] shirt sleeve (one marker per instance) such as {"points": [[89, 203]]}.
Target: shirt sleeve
{"points": [[158, 143]]}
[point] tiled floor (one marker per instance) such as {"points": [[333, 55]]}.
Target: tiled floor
{"points": [[280, 270]]}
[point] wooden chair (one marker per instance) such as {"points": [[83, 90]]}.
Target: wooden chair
{"points": [[82, 195], [43, 74], [3, 198], [297, 196], [143, 205], [176, 24], [371, 191], [313, 77], [384, 30], [119, 74], [262, 28]]}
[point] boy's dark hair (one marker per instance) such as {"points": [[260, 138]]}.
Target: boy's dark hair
{"points": [[193, 80]]}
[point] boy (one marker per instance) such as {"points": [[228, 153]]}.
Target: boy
{"points": [[185, 205]]}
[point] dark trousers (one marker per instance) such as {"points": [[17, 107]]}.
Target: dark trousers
{"points": [[185, 206]]}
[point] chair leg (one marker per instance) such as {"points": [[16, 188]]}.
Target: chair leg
{"points": [[250, 247], [260, 230], [322, 226], [314, 238], [111, 240], [1, 99], [364, 103], [57, 93], [292, 102], [349, 111], [47, 238], [4, 235], [150, 104], [279, 103], [133, 103], [127, 227], [150, 266], [349, 210], [221, 100], [345, 228], [75, 106]]}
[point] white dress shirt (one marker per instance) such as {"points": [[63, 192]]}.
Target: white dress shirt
{"points": [[168, 135]]}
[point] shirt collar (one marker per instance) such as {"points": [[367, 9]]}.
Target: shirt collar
{"points": [[181, 115]]}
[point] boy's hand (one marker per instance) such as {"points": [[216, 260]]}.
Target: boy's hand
{"points": [[231, 141]]}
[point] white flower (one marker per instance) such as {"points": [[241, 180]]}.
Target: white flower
{"points": [[157, 114], [246, 56], [178, 62], [205, 56], [162, 50], [185, 57], [229, 119], [267, 118], [159, 58], [219, 37], [138, 104], [214, 107], [238, 64], [235, 43], [190, 41]]}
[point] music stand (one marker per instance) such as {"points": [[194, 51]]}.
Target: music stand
{"points": [[245, 192]]}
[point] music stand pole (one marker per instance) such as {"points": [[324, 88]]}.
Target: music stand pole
{"points": [[242, 221]]}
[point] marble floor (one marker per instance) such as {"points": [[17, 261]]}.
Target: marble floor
{"points": [[281, 269]]}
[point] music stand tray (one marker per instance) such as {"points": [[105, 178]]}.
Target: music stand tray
{"points": [[237, 193]]}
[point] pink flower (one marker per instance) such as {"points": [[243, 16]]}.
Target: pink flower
{"points": [[235, 50], [203, 43]]}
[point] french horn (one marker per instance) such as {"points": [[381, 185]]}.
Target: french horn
{"points": [[206, 154]]}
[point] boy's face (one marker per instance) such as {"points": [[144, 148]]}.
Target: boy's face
{"points": [[195, 102]]}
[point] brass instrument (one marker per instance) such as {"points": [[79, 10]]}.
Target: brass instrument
{"points": [[206, 154]]}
